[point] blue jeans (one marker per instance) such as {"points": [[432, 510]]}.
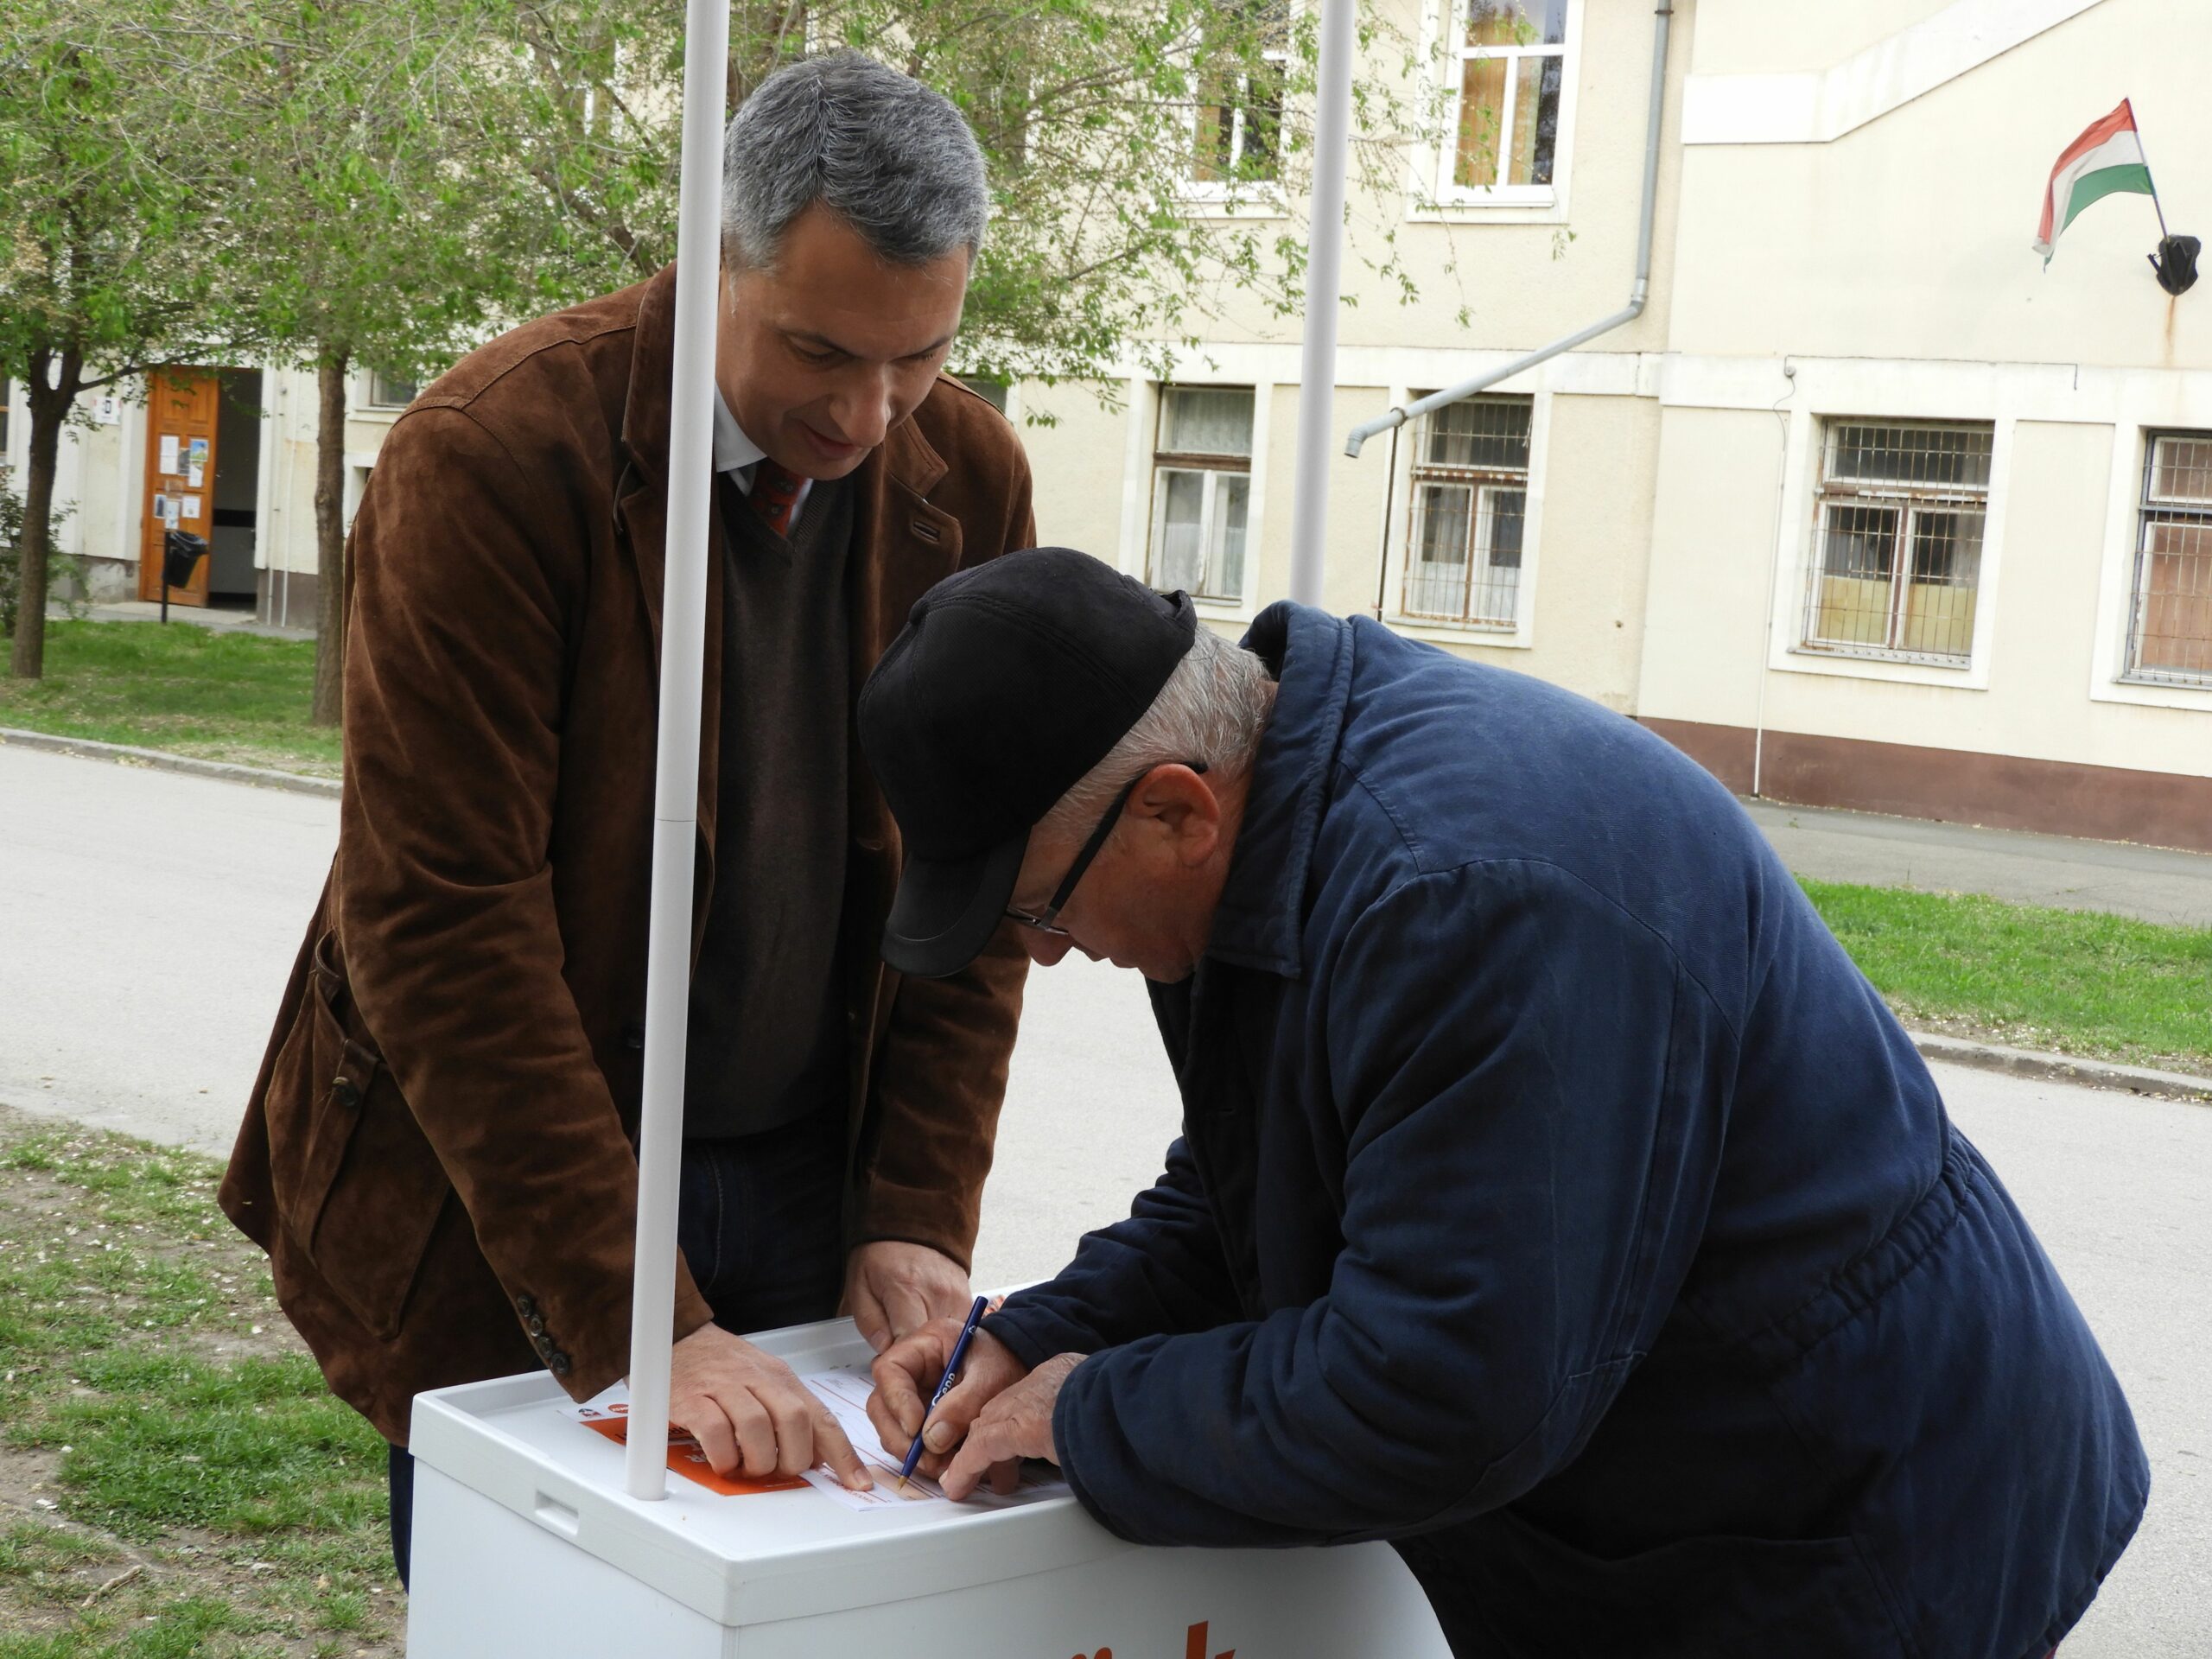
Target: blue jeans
{"points": [[760, 1222]]}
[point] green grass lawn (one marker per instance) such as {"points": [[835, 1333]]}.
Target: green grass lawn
{"points": [[2073, 980], [191, 690], [174, 1478]]}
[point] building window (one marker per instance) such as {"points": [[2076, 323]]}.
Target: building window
{"points": [[1897, 532], [387, 391], [1202, 491], [1236, 133], [1508, 58], [2169, 621], [1470, 505]]}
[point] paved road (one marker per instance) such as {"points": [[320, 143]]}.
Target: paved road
{"points": [[2152, 883], [147, 922]]}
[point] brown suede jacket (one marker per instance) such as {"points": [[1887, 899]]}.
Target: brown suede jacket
{"points": [[438, 1152]]}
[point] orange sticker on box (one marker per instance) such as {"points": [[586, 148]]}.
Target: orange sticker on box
{"points": [[685, 1458]]}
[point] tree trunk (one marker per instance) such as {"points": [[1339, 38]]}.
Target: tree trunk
{"points": [[49, 399], [330, 538]]}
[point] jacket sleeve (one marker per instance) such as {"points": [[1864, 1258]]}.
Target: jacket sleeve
{"points": [[454, 669], [1511, 1055], [940, 1075], [1161, 1270]]}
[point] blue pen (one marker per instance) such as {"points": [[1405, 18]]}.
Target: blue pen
{"points": [[945, 1384]]}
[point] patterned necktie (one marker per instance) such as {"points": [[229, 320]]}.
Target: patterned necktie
{"points": [[775, 494]]}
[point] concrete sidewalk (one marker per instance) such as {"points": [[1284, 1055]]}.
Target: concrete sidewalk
{"points": [[221, 618], [2150, 883]]}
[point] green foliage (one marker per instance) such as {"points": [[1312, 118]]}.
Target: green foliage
{"points": [[2073, 980], [1145, 157]]}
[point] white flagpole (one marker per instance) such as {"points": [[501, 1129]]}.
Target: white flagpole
{"points": [[676, 782], [1323, 273]]}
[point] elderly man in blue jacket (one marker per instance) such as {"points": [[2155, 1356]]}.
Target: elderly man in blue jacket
{"points": [[1555, 1200]]}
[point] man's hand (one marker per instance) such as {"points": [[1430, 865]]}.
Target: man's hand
{"points": [[1016, 1425], [906, 1375], [749, 1410], [892, 1287]]}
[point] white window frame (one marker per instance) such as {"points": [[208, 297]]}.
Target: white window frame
{"points": [[1242, 198], [2148, 406], [1909, 502], [368, 402], [1519, 634], [1435, 195], [1797, 547], [2194, 511], [1159, 461]]}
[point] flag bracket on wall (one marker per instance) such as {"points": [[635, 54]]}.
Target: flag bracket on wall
{"points": [[2175, 263]]}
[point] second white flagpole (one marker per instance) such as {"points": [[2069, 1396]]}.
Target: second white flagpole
{"points": [[675, 780]]}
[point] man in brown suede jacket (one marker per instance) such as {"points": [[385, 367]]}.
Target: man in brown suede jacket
{"points": [[439, 1153]]}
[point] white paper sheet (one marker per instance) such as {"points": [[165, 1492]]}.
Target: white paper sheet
{"points": [[169, 465], [845, 1391]]}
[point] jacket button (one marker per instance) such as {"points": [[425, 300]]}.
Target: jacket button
{"points": [[560, 1361], [525, 1305], [346, 1091], [535, 1325]]}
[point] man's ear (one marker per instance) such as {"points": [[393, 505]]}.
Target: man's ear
{"points": [[1186, 806]]}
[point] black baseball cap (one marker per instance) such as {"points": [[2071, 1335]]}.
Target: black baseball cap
{"points": [[1009, 682]]}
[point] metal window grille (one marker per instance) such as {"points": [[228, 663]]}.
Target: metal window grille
{"points": [[1202, 491], [1470, 506], [2169, 619], [1236, 133], [1511, 59], [1896, 562]]}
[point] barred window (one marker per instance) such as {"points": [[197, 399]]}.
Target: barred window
{"points": [[1202, 490], [1897, 561], [1511, 60], [1469, 500], [2169, 621]]}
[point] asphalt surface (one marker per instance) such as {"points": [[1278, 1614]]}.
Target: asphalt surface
{"points": [[148, 921], [2153, 884]]}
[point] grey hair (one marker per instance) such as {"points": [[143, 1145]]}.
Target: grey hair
{"points": [[889, 155], [1214, 708]]}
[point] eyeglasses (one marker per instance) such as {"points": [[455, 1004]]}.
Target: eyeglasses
{"points": [[1046, 921]]}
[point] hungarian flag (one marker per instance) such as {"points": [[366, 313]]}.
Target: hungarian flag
{"points": [[2107, 158]]}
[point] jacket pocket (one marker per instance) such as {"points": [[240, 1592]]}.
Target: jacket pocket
{"points": [[359, 1186]]}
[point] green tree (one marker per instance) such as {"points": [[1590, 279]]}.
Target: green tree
{"points": [[384, 234], [114, 224], [1129, 141]]}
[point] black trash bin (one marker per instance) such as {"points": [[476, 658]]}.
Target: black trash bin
{"points": [[181, 552]]}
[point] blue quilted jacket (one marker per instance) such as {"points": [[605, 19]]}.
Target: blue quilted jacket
{"points": [[1557, 1201]]}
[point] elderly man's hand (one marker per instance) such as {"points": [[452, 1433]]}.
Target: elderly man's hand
{"points": [[749, 1410], [892, 1287], [906, 1374], [1018, 1424]]}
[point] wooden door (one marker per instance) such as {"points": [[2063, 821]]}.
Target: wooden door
{"points": [[181, 406]]}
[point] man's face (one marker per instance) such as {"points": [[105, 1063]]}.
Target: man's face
{"points": [[822, 355], [1147, 899]]}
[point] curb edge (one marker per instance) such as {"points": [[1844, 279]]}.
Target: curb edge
{"points": [[2062, 1068], [160, 760]]}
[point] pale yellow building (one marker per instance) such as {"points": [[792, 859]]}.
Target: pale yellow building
{"points": [[1866, 508]]}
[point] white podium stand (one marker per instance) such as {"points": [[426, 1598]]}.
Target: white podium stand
{"points": [[527, 1545]]}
